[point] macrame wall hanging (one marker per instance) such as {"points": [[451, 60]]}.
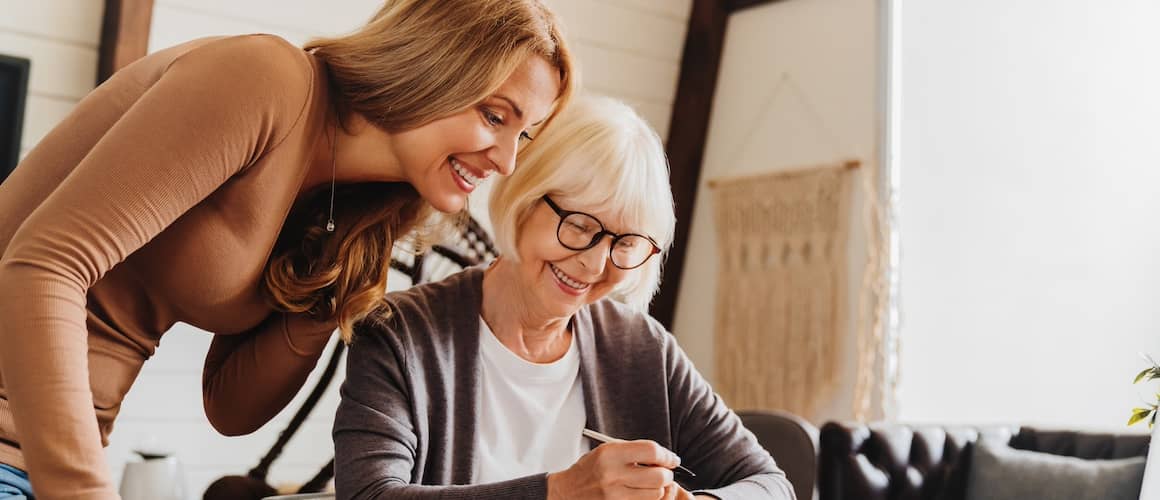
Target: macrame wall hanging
{"points": [[781, 320], [782, 286]]}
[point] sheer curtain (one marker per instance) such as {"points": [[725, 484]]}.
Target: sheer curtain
{"points": [[1030, 192]]}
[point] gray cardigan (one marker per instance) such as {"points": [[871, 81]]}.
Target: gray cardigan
{"points": [[405, 428]]}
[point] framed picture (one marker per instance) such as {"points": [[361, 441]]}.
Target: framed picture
{"points": [[13, 88]]}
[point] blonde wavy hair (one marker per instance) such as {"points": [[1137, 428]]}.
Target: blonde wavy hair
{"points": [[414, 62], [599, 153]]}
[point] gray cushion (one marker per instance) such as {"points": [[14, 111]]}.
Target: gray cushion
{"points": [[999, 472]]}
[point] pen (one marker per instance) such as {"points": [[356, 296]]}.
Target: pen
{"points": [[596, 436]]}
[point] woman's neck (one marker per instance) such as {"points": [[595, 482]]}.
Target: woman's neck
{"points": [[352, 151], [532, 337]]}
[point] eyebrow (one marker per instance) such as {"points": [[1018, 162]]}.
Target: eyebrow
{"points": [[516, 108]]}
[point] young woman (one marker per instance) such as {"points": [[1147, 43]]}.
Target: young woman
{"points": [[252, 189]]}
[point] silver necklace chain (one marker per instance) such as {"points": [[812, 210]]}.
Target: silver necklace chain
{"points": [[333, 160]]}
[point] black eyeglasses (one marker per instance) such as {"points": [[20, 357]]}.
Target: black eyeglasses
{"points": [[580, 231]]}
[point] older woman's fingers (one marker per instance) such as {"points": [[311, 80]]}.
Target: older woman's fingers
{"points": [[648, 452], [648, 477], [626, 468]]}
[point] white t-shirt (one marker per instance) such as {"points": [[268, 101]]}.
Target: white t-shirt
{"points": [[531, 414]]}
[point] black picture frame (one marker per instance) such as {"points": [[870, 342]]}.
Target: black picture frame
{"points": [[13, 94]]}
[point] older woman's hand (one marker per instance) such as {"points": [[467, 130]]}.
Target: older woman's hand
{"points": [[621, 470]]}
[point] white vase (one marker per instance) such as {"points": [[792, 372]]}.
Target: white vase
{"points": [[1151, 487], [158, 478]]}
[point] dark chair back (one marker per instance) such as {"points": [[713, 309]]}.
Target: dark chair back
{"points": [[793, 443]]}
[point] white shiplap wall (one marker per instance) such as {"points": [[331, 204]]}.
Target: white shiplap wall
{"points": [[629, 49], [60, 37]]}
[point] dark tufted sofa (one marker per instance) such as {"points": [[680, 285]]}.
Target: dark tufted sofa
{"points": [[892, 461]]}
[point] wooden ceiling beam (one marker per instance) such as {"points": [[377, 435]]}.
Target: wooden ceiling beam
{"points": [[688, 130], [735, 5], [124, 35]]}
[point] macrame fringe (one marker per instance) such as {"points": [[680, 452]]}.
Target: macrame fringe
{"points": [[780, 314]]}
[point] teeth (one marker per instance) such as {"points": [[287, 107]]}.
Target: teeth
{"points": [[465, 174], [567, 281]]}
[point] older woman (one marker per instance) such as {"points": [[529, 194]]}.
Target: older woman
{"points": [[482, 385]]}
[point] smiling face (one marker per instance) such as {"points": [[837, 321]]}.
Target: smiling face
{"points": [[446, 159], [598, 157], [556, 281]]}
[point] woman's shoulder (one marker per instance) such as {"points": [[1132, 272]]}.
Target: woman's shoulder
{"points": [[630, 340], [436, 295], [431, 308], [246, 71], [616, 322], [257, 47], [243, 57]]}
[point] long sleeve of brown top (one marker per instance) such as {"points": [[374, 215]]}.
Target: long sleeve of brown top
{"points": [[186, 134], [241, 388]]}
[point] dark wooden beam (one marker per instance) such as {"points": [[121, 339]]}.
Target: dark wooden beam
{"points": [[688, 130], [704, 39], [736, 5], [124, 35]]}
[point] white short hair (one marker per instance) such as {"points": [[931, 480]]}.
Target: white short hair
{"points": [[596, 152]]}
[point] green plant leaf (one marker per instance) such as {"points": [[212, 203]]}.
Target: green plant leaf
{"points": [[1139, 414], [1143, 374], [1136, 417]]}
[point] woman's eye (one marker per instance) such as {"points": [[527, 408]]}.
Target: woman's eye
{"points": [[492, 118], [582, 228]]}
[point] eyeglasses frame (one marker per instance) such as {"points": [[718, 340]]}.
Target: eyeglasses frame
{"points": [[564, 214]]}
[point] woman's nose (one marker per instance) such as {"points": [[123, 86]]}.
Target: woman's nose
{"points": [[503, 155], [596, 258]]}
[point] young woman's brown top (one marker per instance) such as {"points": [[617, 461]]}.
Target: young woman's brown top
{"points": [[157, 200]]}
